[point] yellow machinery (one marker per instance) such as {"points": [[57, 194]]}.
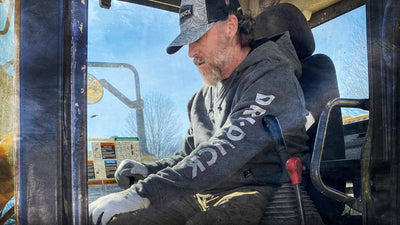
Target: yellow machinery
{"points": [[6, 137]]}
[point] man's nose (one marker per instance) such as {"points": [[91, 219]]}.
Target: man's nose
{"points": [[193, 50]]}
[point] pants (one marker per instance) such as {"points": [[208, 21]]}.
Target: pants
{"points": [[240, 206]]}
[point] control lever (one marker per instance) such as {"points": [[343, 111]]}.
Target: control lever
{"points": [[293, 164], [273, 128], [294, 168]]}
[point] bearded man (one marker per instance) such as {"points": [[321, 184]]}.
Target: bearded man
{"points": [[228, 168]]}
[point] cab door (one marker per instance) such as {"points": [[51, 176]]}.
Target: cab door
{"points": [[50, 126]]}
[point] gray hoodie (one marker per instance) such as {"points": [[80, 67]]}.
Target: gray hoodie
{"points": [[226, 145]]}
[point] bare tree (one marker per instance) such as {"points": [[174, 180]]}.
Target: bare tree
{"points": [[161, 124]]}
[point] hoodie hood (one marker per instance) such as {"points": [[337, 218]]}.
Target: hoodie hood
{"points": [[280, 49]]}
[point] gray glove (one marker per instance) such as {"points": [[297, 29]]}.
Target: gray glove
{"points": [[128, 172]]}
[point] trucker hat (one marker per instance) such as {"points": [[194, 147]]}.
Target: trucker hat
{"points": [[196, 17]]}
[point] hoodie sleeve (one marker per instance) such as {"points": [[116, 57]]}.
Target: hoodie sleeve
{"points": [[275, 91]]}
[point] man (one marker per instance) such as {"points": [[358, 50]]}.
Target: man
{"points": [[228, 167]]}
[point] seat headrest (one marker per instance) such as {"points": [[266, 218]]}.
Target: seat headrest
{"points": [[277, 19]]}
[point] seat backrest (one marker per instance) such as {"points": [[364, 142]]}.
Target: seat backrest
{"points": [[318, 79], [283, 17], [319, 84]]}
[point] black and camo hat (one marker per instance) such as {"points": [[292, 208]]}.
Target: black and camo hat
{"points": [[196, 17]]}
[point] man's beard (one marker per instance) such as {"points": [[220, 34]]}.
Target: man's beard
{"points": [[221, 57], [213, 75]]}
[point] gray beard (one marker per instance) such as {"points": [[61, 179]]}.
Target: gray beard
{"points": [[221, 58], [213, 78]]}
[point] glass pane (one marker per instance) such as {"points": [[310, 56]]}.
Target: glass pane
{"points": [[6, 109], [344, 40], [135, 35]]}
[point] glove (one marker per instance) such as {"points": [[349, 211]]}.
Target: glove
{"points": [[129, 170], [104, 208]]}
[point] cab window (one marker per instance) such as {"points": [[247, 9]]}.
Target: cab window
{"points": [[344, 40]]}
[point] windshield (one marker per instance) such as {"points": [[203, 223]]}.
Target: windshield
{"points": [[140, 92]]}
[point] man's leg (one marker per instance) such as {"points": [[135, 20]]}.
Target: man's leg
{"points": [[174, 213], [244, 205]]}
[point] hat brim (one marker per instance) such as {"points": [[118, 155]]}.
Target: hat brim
{"points": [[188, 36]]}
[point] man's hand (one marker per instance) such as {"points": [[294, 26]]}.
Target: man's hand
{"points": [[103, 209], [127, 170]]}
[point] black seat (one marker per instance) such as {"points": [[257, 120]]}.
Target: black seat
{"points": [[319, 84]]}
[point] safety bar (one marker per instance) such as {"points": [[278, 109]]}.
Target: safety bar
{"points": [[319, 148], [137, 104], [120, 65]]}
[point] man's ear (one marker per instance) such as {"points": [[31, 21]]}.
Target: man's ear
{"points": [[232, 26]]}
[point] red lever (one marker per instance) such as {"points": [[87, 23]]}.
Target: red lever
{"points": [[294, 168]]}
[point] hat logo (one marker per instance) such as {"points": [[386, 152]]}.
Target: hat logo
{"points": [[185, 12]]}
